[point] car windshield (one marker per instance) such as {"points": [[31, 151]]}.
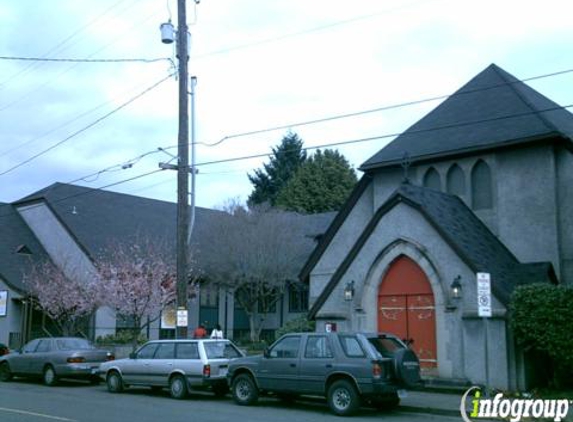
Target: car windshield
{"points": [[221, 350], [386, 346], [74, 344]]}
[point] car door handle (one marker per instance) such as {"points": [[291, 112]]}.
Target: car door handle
{"points": [[328, 365], [293, 365]]}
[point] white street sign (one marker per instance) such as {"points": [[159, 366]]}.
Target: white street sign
{"points": [[182, 317], [484, 294]]}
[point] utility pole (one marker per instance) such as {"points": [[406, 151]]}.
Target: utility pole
{"points": [[182, 166], [185, 220]]}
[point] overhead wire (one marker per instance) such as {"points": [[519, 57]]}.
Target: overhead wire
{"points": [[49, 81], [85, 128], [378, 109], [58, 47], [347, 142], [72, 60]]}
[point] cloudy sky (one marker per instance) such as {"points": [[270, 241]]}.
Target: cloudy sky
{"points": [[260, 64]]}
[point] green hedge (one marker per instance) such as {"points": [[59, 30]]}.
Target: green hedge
{"points": [[298, 325], [542, 320]]}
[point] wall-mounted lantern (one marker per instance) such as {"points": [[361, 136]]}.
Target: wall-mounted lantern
{"points": [[349, 291], [456, 288], [455, 293]]}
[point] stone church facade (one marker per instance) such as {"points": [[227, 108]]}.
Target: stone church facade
{"points": [[480, 184]]}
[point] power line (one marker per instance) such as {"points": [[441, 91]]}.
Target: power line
{"points": [[305, 31], [85, 128], [348, 142], [47, 83], [391, 135], [378, 109], [71, 60], [58, 47]]}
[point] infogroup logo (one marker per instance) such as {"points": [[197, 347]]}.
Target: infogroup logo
{"points": [[515, 409]]}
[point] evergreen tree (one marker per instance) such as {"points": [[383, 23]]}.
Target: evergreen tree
{"points": [[284, 162], [323, 183]]}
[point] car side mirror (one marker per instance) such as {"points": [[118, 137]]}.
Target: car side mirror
{"points": [[266, 353], [132, 355]]}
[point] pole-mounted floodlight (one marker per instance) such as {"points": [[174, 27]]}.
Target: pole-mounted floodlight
{"points": [[167, 33]]}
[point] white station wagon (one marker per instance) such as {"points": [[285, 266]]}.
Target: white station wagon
{"points": [[179, 365]]}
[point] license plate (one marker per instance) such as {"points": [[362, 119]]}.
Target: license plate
{"points": [[402, 394]]}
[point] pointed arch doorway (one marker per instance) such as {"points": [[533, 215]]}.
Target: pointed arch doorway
{"points": [[406, 308]]}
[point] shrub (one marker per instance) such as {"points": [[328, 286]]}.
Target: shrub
{"points": [[296, 325], [121, 337], [542, 320]]}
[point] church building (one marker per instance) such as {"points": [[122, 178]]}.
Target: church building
{"points": [[481, 184]]}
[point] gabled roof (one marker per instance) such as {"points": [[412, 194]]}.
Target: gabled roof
{"points": [[15, 235], [466, 234], [97, 218], [492, 110]]}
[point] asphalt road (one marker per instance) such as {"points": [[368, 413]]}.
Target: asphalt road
{"points": [[27, 401]]}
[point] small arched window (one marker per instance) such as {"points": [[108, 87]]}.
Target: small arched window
{"points": [[482, 195], [432, 179], [455, 181]]}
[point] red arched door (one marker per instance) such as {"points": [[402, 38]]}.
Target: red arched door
{"points": [[406, 308]]}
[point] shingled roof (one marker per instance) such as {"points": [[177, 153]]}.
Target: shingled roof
{"points": [[98, 218], [19, 248], [466, 234], [492, 110]]}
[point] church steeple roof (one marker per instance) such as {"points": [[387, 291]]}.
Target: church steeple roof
{"points": [[494, 109]]}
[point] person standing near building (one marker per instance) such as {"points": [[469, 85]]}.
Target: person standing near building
{"points": [[200, 332], [217, 333]]}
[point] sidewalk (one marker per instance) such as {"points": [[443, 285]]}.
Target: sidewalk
{"points": [[437, 403]]}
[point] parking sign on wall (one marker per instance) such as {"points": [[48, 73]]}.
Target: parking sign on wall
{"points": [[484, 294]]}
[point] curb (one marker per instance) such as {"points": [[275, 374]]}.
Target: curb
{"points": [[429, 410]]}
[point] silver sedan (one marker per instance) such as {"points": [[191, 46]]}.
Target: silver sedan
{"points": [[53, 358]]}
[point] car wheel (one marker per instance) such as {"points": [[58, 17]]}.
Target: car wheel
{"points": [[178, 387], [114, 382], [5, 373], [50, 377], [343, 398], [221, 389], [244, 389]]}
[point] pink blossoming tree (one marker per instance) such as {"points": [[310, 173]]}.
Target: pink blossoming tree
{"points": [[137, 281], [67, 301]]}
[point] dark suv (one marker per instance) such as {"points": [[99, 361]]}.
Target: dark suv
{"points": [[346, 368]]}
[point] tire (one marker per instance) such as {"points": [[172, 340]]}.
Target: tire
{"points": [[343, 399], [114, 382], [407, 368], [245, 391], [49, 376], [5, 372], [221, 389], [178, 387]]}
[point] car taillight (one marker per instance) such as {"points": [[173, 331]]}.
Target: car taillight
{"points": [[206, 371], [77, 360], [377, 370], [110, 357]]}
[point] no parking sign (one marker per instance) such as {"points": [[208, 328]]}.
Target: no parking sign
{"points": [[484, 294]]}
